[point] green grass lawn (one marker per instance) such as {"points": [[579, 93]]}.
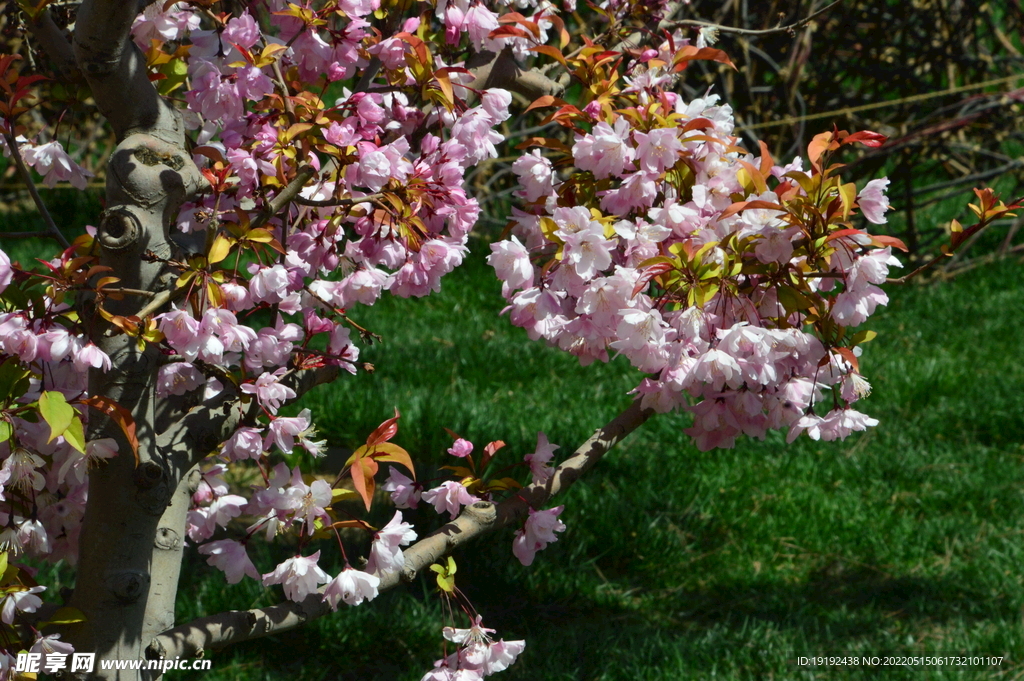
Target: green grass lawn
{"points": [[678, 564]]}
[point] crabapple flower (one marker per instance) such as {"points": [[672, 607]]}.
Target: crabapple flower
{"points": [[299, 576], [450, 496], [872, 201], [269, 391], [53, 163], [50, 645], [538, 532], [479, 654], [231, 558], [6, 271], [404, 492], [244, 443], [177, 378], [540, 458], [284, 429], [351, 587], [461, 448], [20, 601], [385, 552]]}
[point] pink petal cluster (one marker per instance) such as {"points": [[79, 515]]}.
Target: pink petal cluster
{"points": [[537, 533]]}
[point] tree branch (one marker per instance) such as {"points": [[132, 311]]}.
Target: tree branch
{"points": [[751, 32], [217, 631], [116, 71], [285, 196], [501, 70], [55, 44]]}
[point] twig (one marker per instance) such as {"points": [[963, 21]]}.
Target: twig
{"points": [[881, 105], [329, 203], [51, 226], [752, 32], [285, 196], [159, 300]]}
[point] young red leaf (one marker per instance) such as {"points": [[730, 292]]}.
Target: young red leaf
{"points": [[649, 273], [489, 451], [867, 138], [847, 354], [384, 431], [363, 470], [884, 240], [119, 415], [545, 101]]}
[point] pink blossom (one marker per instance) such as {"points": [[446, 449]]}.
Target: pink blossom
{"points": [[450, 496], [351, 587], [385, 552], [6, 271], [461, 448], [404, 492], [659, 149], [587, 250], [244, 443], [241, 30], [511, 263], [20, 601], [177, 378], [606, 150], [49, 645], [538, 532], [51, 161], [299, 576], [231, 558], [540, 458], [284, 429], [269, 284], [91, 356], [536, 176], [873, 202], [269, 391]]}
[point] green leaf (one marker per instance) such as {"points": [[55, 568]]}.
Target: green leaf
{"points": [[793, 300], [11, 372], [5, 433], [56, 411], [75, 435], [860, 337]]}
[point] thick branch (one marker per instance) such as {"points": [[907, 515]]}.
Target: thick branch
{"points": [[501, 71], [116, 71], [217, 631], [55, 44]]}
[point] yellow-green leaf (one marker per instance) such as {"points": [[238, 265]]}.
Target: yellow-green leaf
{"points": [[220, 249], [74, 435], [56, 411]]}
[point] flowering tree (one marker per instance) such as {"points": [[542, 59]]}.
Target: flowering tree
{"points": [[280, 165]]}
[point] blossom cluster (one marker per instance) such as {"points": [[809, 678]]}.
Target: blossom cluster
{"points": [[729, 280]]}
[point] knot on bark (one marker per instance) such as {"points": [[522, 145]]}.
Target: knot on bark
{"points": [[127, 586], [148, 474], [119, 230], [167, 539]]}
